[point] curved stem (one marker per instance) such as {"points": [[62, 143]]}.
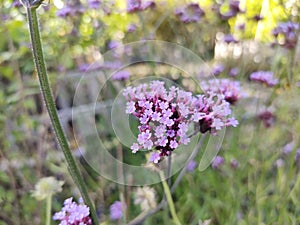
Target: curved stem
{"points": [[169, 198], [50, 105]]}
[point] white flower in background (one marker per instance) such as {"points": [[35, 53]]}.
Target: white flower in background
{"points": [[47, 186], [205, 222], [145, 197]]}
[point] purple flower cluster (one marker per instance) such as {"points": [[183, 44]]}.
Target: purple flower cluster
{"points": [[234, 9], [218, 69], [73, 214], [190, 13], [230, 89], [122, 75], [228, 38], [287, 31], [191, 166], [139, 5], [165, 116], [265, 77], [116, 210], [233, 72], [267, 118], [70, 10], [217, 162], [94, 4]]}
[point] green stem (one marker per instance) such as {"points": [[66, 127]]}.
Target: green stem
{"points": [[48, 210], [169, 198], [50, 105]]}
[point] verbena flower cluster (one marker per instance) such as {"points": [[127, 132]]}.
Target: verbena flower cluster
{"points": [[73, 214], [166, 115], [288, 33], [265, 77], [229, 88]]}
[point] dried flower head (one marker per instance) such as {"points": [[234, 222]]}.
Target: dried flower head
{"points": [[46, 187], [145, 197]]}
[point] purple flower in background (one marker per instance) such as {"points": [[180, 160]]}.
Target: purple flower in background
{"points": [[218, 69], [234, 9], [83, 67], [116, 210], [111, 64], [121, 75], [241, 26], [139, 5], [234, 164], [297, 158], [73, 214], [131, 28], [191, 166], [190, 13], [265, 77], [228, 38], [230, 89], [257, 17], [287, 32], [16, 3], [279, 163], [113, 44], [94, 4], [65, 11], [267, 118], [70, 10], [288, 148], [217, 162], [233, 72]]}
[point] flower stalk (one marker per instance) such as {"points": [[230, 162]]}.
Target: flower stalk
{"points": [[40, 66], [48, 210], [169, 198]]}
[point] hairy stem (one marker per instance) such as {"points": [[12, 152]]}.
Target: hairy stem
{"points": [[50, 105]]}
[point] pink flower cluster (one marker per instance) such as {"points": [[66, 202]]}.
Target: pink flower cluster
{"points": [[265, 77], [229, 88], [165, 116], [73, 214]]}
